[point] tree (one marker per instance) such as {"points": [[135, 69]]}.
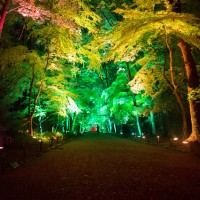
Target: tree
{"points": [[193, 81], [3, 15], [193, 87], [25, 8], [20, 69], [147, 27]]}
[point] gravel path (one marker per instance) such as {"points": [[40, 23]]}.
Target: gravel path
{"points": [[104, 167]]}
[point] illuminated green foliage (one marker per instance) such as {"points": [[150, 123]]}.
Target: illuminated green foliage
{"points": [[81, 63]]}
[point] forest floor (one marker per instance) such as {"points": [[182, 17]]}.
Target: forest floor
{"points": [[101, 167]]}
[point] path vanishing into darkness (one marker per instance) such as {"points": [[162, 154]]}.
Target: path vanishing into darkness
{"points": [[104, 167]]}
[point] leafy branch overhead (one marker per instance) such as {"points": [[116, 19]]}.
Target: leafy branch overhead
{"points": [[139, 29]]}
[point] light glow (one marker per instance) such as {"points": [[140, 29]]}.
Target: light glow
{"points": [[175, 139], [1, 147]]}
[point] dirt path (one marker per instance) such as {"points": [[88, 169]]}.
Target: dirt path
{"points": [[103, 167]]}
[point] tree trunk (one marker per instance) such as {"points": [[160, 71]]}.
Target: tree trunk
{"points": [[66, 124], [74, 122], [152, 120], [138, 125], [193, 83], [70, 123], [174, 88], [110, 125], [30, 125], [3, 15], [40, 123], [114, 126]]}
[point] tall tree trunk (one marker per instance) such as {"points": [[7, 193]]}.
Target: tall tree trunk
{"points": [[66, 124], [113, 125], [152, 120], [70, 123], [174, 88], [193, 80], [138, 125], [115, 129], [74, 122], [40, 123], [110, 126], [193, 83], [80, 128], [3, 15]]}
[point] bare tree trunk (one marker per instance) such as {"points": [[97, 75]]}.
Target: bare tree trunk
{"points": [[110, 125], [193, 83], [174, 88], [115, 130], [152, 120], [74, 122], [40, 124], [3, 15], [138, 125]]}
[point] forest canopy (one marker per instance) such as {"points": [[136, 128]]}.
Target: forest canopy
{"points": [[128, 66]]}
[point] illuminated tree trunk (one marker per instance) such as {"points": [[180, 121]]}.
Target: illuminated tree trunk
{"points": [[113, 125], [152, 120], [74, 122], [110, 126], [115, 130], [80, 127], [40, 124], [138, 125], [66, 124], [40, 120], [70, 124], [193, 83], [3, 15], [174, 88]]}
